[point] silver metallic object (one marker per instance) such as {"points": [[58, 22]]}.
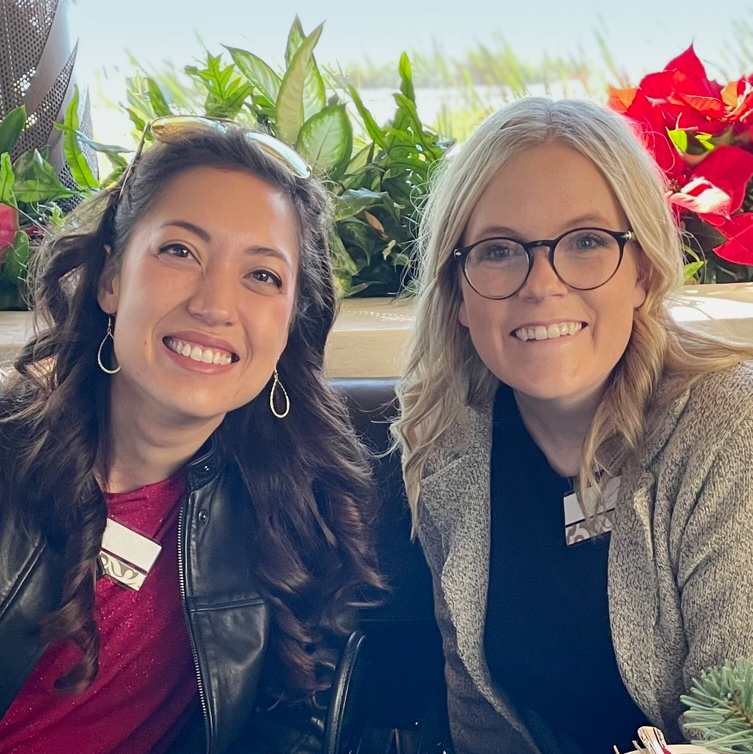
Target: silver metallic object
{"points": [[37, 70]]}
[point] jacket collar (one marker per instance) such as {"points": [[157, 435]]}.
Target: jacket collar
{"points": [[208, 462]]}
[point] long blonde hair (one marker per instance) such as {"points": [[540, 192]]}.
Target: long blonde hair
{"points": [[444, 374]]}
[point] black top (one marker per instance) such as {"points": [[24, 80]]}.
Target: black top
{"points": [[547, 637]]}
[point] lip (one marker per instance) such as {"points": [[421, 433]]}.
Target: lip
{"points": [[205, 341]]}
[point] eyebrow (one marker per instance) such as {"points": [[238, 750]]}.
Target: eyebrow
{"points": [[574, 222], [197, 230]]}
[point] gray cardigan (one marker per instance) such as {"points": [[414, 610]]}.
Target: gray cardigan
{"points": [[680, 582]]}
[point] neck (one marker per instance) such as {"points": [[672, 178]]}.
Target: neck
{"points": [[559, 427], [147, 446]]}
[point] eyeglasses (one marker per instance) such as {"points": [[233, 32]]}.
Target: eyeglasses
{"points": [[584, 259], [168, 127]]}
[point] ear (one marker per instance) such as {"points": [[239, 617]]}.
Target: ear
{"points": [[108, 290]]}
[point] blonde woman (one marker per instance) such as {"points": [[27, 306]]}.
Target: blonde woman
{"points": [[545, 363]]}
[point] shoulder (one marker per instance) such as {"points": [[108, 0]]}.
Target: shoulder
{"points": [[470, 432], [727, 391], [714, 415], [719, 404]]}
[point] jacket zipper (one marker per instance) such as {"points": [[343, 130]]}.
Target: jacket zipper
{"points": [[182, 580]]}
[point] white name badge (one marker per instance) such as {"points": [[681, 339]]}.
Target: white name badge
{"points": [[575, 527], [127, 556]]}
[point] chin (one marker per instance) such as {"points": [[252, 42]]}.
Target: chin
{"points": [[548, 393], [546, 388]]}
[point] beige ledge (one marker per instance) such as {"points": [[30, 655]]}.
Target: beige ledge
{"points": [[370, 334]]}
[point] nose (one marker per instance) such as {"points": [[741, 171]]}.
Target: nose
{"points": [[214, 299], [542, 280]]}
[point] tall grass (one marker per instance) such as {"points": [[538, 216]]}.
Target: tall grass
{"points": [[471, 83]]}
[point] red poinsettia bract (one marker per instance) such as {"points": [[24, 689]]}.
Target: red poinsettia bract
{"points": [[681, 106], [8, 228]]}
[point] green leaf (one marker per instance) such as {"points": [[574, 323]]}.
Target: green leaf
{"points": [[37, 181], [227, 91], [140, 106], [11, 127], [258, 73], [406, 78], [295, 40], [691, 269], [314, 96], [326, 139], [412, 113], [74, 156], [157, 99], [375, 133], [109, 149], [679, 138], [344, 269], [6, 180], [138, 122], [289, 110], [16, 259], [360, 160], [360, 239], [353, 201]]}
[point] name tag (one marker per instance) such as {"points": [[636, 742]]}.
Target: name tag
{"points": [[127, 556], [575, 528]]}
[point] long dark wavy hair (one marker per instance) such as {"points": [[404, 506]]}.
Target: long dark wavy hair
{"points": [[308, 476]]}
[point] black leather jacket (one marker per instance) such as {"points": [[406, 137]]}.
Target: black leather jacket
{"points": [[228, 619]]}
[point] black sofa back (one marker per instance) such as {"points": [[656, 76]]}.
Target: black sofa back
{"points": [[406, 677]]}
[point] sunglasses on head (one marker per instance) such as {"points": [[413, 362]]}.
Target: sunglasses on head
{"points": [[168, 126]]}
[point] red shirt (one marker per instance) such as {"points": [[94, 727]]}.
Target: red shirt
{"points": [[146, 681]]}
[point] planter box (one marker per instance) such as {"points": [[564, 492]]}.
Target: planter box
{"points": [[370, 334]]}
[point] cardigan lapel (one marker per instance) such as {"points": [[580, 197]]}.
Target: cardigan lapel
{"points": [[457, 497], [632, 589], [632, 583]]}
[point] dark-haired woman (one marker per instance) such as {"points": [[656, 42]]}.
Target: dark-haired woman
{"points": [[181, 532]]}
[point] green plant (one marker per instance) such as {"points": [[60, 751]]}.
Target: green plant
{"points": [[30, 190], [720, 708], [376, 187]]}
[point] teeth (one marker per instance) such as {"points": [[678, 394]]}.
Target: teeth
{"points": [[545, 333], [198, 353]]}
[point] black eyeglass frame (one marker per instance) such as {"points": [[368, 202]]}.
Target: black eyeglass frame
{"points": [[269, 143], [461, 255]]}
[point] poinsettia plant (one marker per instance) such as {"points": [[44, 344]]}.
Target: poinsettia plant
{"points": [[700, 135]]}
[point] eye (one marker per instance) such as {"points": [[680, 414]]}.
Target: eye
{"points": [[266, 277], [177, 250], [498, 250], [588, 241]]}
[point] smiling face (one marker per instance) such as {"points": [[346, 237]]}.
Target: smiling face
{"points": [[203, 295], [550, 341]]}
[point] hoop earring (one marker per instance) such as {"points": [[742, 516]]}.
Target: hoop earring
{"points": [[275, 385], [108, 334]]}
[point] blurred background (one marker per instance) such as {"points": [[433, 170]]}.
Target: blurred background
{"points": [[468, 57]]}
